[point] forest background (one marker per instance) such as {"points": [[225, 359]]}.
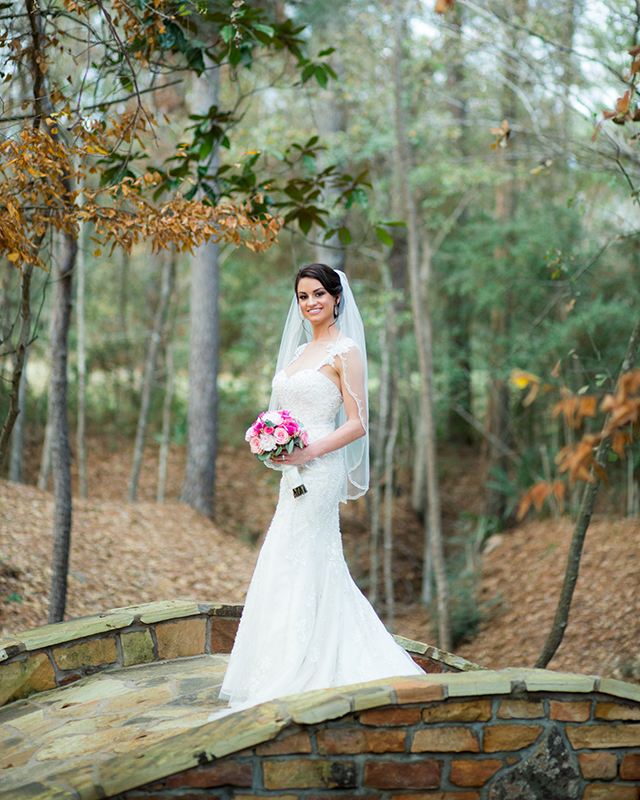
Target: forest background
{"points": [[464, 177]]}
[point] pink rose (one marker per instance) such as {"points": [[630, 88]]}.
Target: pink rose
{"points": [[281, 436], [254, 444], [291, 428], [267, 442], [304, 438], [269, 431]]}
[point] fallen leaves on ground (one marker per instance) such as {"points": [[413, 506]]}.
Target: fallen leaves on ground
{"points": [[521, 579]]}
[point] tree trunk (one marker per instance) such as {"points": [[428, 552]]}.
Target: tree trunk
{"points": [[561, 620], [19, 360], [168, 275], [45, 457], [388, 514], [506, 196], [60, 453], [331, 120], [166, 425], [17, 436], [82, 369], [44, 473], [458, 312], [204, 343], [422, 324], [384, 397]]}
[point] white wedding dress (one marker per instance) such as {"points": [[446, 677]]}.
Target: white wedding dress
{"points": [[305, 623]]}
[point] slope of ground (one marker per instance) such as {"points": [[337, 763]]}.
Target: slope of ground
{"points": [[126, 553], [121, 554], [522, 573]]}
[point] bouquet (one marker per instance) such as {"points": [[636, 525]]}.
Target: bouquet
{"points": [[276, 432]]}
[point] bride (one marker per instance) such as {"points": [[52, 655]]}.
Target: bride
{"points": [[305, 623]]}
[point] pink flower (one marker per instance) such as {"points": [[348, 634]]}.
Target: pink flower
{"points": [[304, 438], [269, 431], [267, 442], [291, 428], [249, 434], [254, 444], [281, 436]]}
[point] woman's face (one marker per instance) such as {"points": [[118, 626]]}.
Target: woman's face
{"points": [[316, 304]]}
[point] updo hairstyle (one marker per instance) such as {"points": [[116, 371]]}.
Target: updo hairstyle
{"points": [[327, 276]]}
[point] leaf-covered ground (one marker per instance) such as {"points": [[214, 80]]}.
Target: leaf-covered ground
{"points": [[125, 553], [522, 574]]}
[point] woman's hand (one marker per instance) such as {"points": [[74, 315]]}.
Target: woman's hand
{"points": [[297, 457]]}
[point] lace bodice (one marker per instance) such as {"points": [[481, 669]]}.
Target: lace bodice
{"points": [[309, 395]]}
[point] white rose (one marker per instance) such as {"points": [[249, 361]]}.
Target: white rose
{"points": [[267, 442]]}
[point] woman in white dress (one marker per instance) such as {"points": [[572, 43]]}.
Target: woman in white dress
{"points": [[305, 623]]}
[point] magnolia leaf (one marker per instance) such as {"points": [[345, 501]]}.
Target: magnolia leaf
{"points": [[310, 163], [305, 221], [384, 237], [265, 29], [321, 76], [344, 234]]}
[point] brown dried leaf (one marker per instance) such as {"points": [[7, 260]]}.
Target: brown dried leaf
{"points": [[575, 408], [442, 6], [618, 441], [577, 459]]}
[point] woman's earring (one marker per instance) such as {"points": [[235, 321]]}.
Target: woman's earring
{"points": [[336, 311]]}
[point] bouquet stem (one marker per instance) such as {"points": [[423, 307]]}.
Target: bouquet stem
{"points": [[295, 481]]}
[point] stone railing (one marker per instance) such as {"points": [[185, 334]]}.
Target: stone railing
{"points": [[56, 655], [525, 734]]}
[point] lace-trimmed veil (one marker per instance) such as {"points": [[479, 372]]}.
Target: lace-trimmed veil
{"points": [[354, 363]]}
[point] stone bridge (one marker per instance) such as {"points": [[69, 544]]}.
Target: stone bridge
{"points": [[117, 705]]}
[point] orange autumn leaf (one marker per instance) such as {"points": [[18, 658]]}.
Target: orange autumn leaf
{"points": [[442, 6], [575, 408], [623, 407], [577, 459], [538, 494], [618, 441], [622, 103]]}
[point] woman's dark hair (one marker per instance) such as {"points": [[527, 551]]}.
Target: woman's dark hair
{"points": [[328, 277]]}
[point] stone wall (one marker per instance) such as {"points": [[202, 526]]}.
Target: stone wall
{"points": [[519, 734], [56, 655]]}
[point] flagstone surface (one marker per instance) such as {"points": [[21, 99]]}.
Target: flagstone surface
{"points": [[76, 728]]}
